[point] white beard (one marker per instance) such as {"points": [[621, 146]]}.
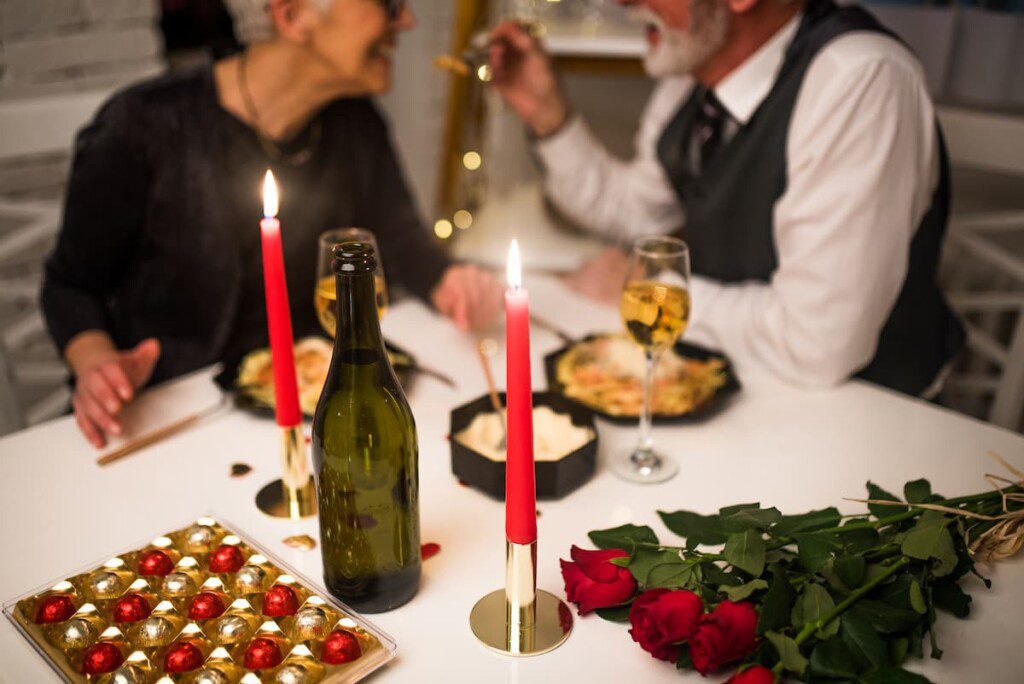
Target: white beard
{"points": [[682, 52]]}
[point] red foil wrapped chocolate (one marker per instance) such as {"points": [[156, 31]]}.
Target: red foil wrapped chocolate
{"points": [[226, 558], [55, 608], [131, 608], [340, 647], [261, 654], [280, 601], [182, 656], [155, 562], [205, 605], [101, 658]]}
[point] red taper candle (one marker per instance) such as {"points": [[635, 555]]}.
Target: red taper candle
{"points": [[279, 317], [520, 483]]}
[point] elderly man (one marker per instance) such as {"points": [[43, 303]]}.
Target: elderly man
{"points": [[794, 146]]}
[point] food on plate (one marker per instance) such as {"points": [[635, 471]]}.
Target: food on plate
{"points": [[606, 374]]}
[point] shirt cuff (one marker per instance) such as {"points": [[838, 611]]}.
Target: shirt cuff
{"points": [[701, 328], [568, 145]]}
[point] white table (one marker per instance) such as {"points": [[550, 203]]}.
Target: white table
{"points": [[783, 446]]}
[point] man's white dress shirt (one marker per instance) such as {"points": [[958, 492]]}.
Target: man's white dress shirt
{"points": [[862, 164]]}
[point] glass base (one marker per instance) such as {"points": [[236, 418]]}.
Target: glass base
{"points": [[645, 467]]}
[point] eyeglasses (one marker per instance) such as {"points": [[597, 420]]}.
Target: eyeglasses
{"points": [[394, 8]]}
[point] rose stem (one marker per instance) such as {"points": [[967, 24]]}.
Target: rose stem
{"points": [[810, 628]]}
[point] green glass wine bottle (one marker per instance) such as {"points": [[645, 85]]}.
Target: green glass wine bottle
{"points": [[365, 456]]}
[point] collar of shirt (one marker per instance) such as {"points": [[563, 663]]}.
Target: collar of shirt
{"points": [[743, 90]]}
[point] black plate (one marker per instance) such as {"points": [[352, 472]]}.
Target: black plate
{"points": [[246, 402], [684, 349]]}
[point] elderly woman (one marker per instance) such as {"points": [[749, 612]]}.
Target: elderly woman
{"points": [[157, 271]]}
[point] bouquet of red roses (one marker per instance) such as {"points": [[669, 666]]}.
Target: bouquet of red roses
{"points": [[819, 596]]}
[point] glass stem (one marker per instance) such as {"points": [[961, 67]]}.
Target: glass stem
{"points": [[644, 454]]}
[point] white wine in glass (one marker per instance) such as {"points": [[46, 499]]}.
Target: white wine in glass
{"points": [[325, 296], [655, 308]]}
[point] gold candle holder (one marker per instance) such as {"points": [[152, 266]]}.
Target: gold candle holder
{"points": [[521, 620], [293, 496]]}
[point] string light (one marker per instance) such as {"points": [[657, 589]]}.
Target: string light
{"points": [[463, 219], [443, 229], [472, 160]]}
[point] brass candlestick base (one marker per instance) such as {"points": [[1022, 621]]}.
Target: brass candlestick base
{"points": [[519, 620], [293, 496]]}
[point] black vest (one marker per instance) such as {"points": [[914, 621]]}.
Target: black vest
{"points": [[729, 210]]}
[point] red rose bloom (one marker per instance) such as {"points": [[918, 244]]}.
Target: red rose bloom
{"points": [[593, 582], [725, 635], [754, 675], [662, 618]]}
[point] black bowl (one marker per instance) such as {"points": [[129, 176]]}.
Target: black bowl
{"points": [[700, 413], [555, 479]]}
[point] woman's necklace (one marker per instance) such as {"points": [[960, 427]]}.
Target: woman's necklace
{"points": [[297, 158]]}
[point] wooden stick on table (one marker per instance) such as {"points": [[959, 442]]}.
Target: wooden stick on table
{"points": [[160, 434], [484, 351]]}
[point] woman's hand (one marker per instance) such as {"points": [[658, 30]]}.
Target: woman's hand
{"points": [[526, 79], [106, 381], [601, 277], [469, 296]]}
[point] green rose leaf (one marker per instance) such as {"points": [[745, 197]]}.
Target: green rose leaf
{"points": [[714, 575], [646, 559], [859, 541], [622, 561], [948, 596], [850, 570], [833, 659], [876, 493], [863, 642], [778, 603], [750, 519], [917, 598], [885, 618], [808, 522], [730, 510], [746, 551], [917, 491], [669, 576], [813, 603], [898, 649], [815, 549], [893, 675], [623, 537], [789, 652], [683, 661], [744, 590], [697, 529], [929, 538], [614, 613]]}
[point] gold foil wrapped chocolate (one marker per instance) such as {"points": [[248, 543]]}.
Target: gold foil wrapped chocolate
{"points": [[85, 619]]}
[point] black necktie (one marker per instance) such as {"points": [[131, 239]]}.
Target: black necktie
{"points": [[708, 128]]}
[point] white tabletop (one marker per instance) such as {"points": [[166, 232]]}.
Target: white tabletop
{"points": [[782, 446]]}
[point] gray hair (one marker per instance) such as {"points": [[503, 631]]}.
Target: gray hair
{"points": [[252, 21]]}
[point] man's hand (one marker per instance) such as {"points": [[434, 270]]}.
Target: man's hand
{"points": [[526, 79], [469, 296], [602, 276], [106, 380]]}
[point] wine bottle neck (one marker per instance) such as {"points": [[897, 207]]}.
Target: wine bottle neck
{"points": [[358, 320]]}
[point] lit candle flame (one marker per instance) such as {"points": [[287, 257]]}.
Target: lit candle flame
{"points": [[270, 197], [514, 272]]}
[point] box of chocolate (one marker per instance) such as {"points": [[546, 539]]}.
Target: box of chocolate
{"points": [[201, 605]]}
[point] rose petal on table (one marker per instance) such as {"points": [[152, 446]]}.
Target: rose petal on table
{"points": [[302, 542], [240, 469], [429, 550]]}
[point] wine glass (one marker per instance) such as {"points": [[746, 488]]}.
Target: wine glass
{"points": [[655, 307], [326, 295]]}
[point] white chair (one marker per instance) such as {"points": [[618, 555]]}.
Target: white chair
{"points": [[984, 277]]}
